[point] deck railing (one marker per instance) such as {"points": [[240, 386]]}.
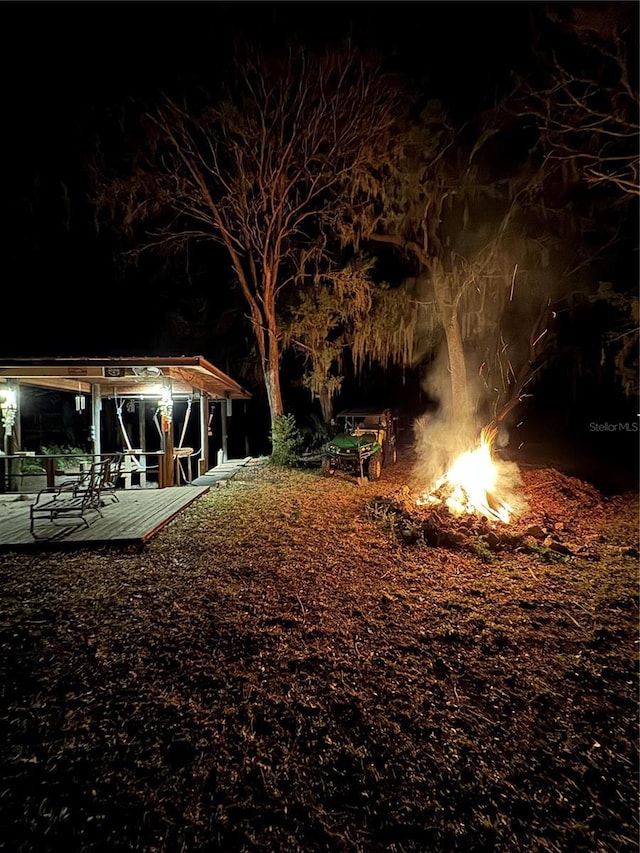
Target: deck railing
{"points": [[136, 468]]}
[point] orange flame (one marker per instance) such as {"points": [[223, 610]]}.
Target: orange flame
{"points": [[468, 486]]}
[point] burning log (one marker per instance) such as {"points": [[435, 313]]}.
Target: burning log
{"points": [[435, 525], [494, 503], [469, 484]]}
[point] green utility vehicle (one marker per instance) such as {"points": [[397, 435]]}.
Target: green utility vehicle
{"points": [[365, 441]]}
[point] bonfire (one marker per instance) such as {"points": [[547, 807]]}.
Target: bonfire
{"points": [[470, 484]]}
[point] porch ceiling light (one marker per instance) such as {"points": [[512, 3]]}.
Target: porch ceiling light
{"points": [[147, 372]]}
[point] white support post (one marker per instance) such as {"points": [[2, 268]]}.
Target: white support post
{"points": [[203, 462], [96, 416]]}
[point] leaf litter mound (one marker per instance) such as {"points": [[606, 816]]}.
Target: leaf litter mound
{"points": [[283, 668]]}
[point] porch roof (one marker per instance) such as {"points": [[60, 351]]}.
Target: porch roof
{"points": [[120, 376]]}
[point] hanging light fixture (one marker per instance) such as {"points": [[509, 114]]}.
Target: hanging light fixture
{"points": [[80, 400], [165, 405], [8, 409]]}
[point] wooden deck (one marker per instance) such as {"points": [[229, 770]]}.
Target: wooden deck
{"points": [[134, 519]]}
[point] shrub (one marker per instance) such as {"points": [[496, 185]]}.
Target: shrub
{"points": [[31, 466], [69, 457], [286, 441]]}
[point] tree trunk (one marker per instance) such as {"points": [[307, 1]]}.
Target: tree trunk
{"points": [[272, 384], [457, 367], [271, 365], [326, 404], [265, 327], [447, 308]]}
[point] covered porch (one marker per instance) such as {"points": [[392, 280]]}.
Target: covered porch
{"points": [[157, 410]]}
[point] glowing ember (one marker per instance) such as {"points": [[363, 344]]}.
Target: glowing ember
{"points": [[469, 485]]}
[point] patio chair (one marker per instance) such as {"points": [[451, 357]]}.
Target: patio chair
{"points": [[114, 472], [71, 500]]}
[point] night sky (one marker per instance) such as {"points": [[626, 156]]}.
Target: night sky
{"points": [[73, 63], [65, 291]]}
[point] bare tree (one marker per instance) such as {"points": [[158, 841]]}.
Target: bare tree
{"points": [[261, 171], [584, 105], [585, 102]]}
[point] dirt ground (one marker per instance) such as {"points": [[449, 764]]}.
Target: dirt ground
{"points": [[295, 664]]}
